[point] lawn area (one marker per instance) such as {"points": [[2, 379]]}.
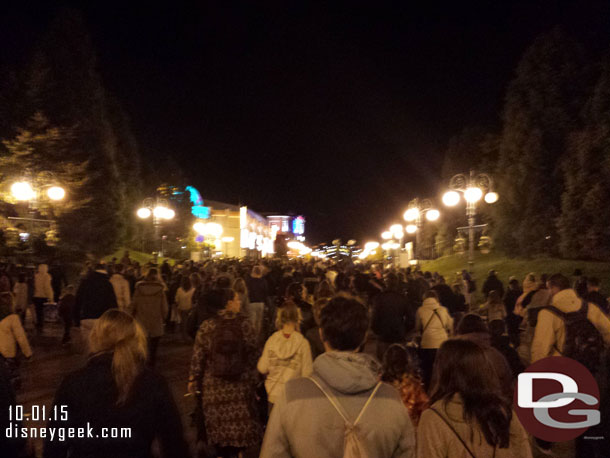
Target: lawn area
{"points": [[140, 257], [506, 267]]}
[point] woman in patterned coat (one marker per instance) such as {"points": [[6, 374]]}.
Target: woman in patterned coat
{"points": [[223, 369]]}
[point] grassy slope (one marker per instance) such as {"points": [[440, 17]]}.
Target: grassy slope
{"points": [[506, 267], [138, 256]]}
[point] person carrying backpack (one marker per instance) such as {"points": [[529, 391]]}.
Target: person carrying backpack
{"points": [[569, 327], [577, 329], [223, 371], [342, 410]]}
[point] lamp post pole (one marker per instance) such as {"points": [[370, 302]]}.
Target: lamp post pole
{"points": [[472, 186], [415, 213]]}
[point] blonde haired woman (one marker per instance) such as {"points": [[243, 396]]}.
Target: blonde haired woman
{"points": [[286, 354], [115, 389]]}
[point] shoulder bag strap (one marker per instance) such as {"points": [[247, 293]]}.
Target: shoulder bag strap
{"points": [[430, 320], [368, 401], [455, 432]]}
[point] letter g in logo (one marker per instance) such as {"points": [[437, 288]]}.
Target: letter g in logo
{"points": [[550, 398]]}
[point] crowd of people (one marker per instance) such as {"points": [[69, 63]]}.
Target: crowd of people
{"points": [[295, 358]]}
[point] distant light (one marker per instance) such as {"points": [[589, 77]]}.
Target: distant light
{"points": [[228, 239], [200, 228], [22, 190], [451, 198], [144, 213], [473, 195], [433, 215], [169, 214], [159, 212], [411, 214], [199, 238], [56, 193], [369, 246], [491, 197], [387, 235], [411, 229], [24, 236]]}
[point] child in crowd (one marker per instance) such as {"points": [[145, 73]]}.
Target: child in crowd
{"points": [[66, 310], [401, 370]]}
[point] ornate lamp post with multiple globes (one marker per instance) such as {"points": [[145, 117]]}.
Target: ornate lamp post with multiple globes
{"points": [[160, 211], [473, 187], [417, 210]]}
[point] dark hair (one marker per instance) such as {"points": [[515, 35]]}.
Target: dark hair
{"points": [[218, 298], [323, 290], [593, 281], [391, 282], [21, 278], [118, 268], [461, 367], [398, 361], [185, 283], [295, 291], [223, 283], [361, 283], [471, 323], [341, 282], [513, 282], [497, 328], [559, 281], [344, 322], [152, 275]]}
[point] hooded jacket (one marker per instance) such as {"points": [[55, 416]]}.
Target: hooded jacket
{"points": [[550, 333], [284, 359], [42, 283], [436, 330], [11, 335], [149, 306], [304, 423]]}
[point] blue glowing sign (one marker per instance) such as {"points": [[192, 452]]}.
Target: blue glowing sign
{"points": [[298, 225], [200, 212], [197, 209]]}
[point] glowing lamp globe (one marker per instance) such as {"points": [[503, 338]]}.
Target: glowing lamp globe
{"points": [[369, 246], [411, 229], [451, 198], [159, 212], [200, 228], [473, 195], [433, 215], [144, 213], [227, 239], [56, 193], [411, 214], [387, 235], [22, 190], [491, 197], [169, 214]]}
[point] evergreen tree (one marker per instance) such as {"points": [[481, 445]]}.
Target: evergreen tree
{"points": [[541, 108], [583, 224], [63, 83]]}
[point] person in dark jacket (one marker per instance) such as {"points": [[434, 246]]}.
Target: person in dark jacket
{"points": [[258, 293], [10, 447], [94, 296], [116, 390], [501, 342], [493, 283], [297, 293], [593, 294], [446, 296], [391, 316]]}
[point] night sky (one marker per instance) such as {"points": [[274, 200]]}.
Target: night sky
{"points": [[339, 111]]}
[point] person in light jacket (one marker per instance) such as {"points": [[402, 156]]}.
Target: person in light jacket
{"points": [[286, 354], [434, 324], [121, 287], [43, 292], [550, 333], [149, 307], [305, 423]]}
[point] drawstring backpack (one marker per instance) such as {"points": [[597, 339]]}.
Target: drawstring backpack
{"points": [[352, 445]]}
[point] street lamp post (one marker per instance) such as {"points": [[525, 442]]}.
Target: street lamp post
{"points": [[34, 189], [472, 187], [418, 208], [160, 211]]}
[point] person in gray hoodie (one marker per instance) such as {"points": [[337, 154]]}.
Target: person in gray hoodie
{"points": [[304, 422]]}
